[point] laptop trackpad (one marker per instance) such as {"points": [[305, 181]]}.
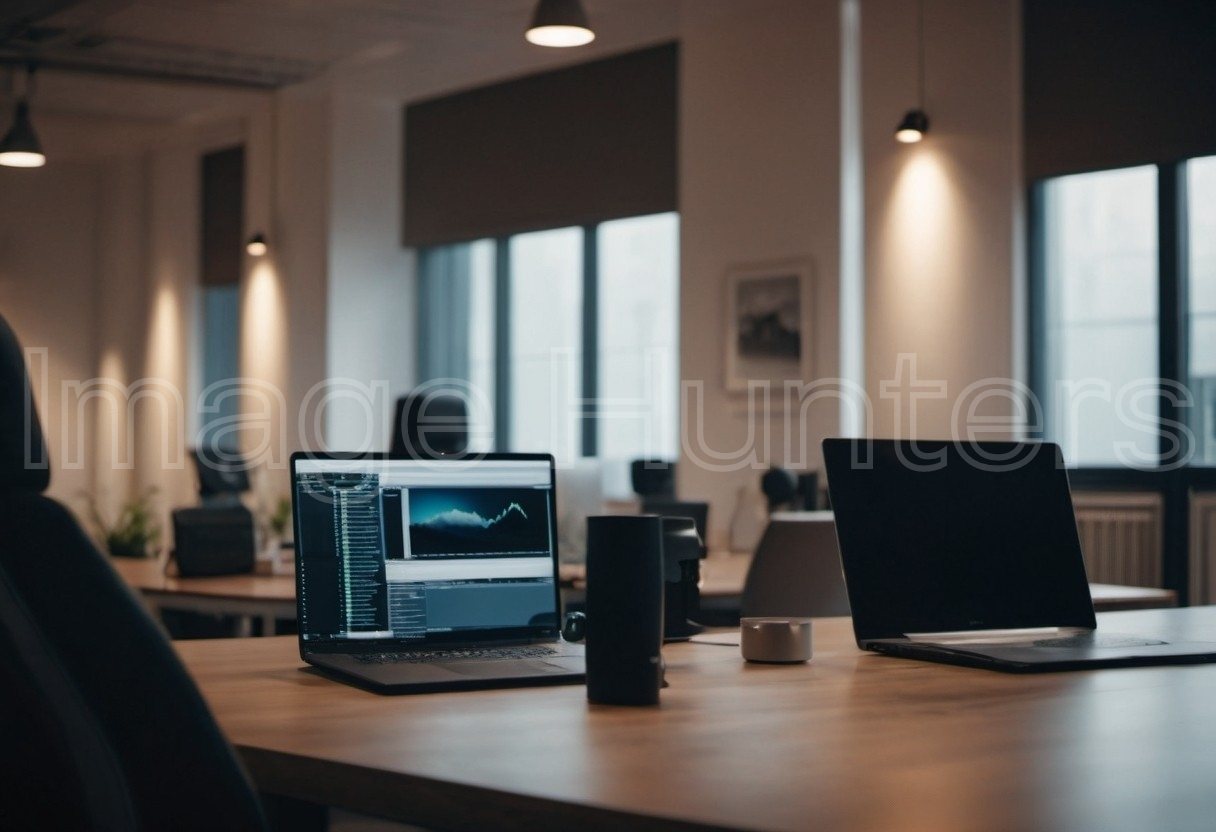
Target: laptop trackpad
{"points": [[515, 668]]}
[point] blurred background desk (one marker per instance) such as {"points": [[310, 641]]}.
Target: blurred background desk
{"points": [[265, 597], [723, 575]]}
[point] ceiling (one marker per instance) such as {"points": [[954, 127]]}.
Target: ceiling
{"points": [[171, 60]]}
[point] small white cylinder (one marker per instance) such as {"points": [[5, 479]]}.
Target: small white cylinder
{"points": [[776, 640]]}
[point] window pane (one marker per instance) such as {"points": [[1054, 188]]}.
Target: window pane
{"points": [[456, 329], [1101, 283], [639, 290], [221, 364], [546, 341], [481, 345], [1202, 210]]}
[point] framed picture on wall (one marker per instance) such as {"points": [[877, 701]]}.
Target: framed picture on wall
{"points": [[769, 309]]}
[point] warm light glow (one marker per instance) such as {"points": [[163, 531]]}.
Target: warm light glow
{"points": [[165, 359], [922, 237], [22, 159], [908, 136], [255, 248], [263, 324], [560, 36]]}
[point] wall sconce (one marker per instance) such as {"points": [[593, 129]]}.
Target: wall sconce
{"points": [[256, 246], [560, 23], [915, 123]]}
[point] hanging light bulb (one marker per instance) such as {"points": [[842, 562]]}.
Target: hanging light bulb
{"points": [[915, 123], [913, 127], [20, 147], [256, 246], [560, 23]]}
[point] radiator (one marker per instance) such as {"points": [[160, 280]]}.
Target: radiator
{"points": [[1121, 536], [1203, 548]]}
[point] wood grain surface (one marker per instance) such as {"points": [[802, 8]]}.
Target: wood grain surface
{"points": [[850, 741]]}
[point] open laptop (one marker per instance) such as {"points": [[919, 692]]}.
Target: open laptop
{"points": [[420, 575], [968, 553]]}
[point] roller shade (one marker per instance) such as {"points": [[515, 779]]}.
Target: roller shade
{"points": [[223, 213], [588, 143], [1117, 83]]}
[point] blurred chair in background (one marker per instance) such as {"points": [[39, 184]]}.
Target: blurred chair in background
{"points": [[223, 475], [796, 569], [698, 512], [788, 491], [428, 424], [653, 478]]}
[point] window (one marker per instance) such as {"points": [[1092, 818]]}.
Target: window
{"points": [[1100, 247], [221, 363], [222, 248], [572, 333], [1201, 235], [639, 307], [1125, 288], [546, 341]]}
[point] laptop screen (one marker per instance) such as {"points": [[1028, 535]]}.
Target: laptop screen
{"points": [[937, 536], [425, 551]]}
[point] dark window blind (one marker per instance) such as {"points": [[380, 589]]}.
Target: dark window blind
{"points": [[1115, 83], [580, 145], [223, 213]]}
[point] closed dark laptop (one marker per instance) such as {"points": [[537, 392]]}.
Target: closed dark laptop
{"points": [[968, 553], [419, 575]]}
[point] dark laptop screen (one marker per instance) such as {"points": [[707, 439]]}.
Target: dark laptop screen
{"points": [[937, 536], [425, 550]]}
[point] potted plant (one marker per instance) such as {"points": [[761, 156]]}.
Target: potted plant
{"points": [[136, 527], [281, 518]]}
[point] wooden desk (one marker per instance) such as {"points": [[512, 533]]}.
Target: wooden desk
{"points": [[851, 741], [268, 597]]}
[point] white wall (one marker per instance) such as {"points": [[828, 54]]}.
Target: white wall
{"points": [[48, 251], [371, 322], [301, 248], [121, 296], [943, 217], [759, 181]]}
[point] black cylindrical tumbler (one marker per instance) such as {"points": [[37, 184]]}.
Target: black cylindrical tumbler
{"points": [[624, 609]]}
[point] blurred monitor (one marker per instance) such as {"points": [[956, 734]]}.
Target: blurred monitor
{"points": [[580, 494]]}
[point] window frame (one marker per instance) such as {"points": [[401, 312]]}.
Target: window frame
{"points": [[589, 443], [1174, 482]]}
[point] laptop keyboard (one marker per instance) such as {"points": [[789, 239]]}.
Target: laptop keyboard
{"points": [[457, 654]]}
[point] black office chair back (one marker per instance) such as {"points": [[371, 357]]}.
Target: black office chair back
{"points": [[222, 475], [653, 478], [429, 424], [796, 569], [696, 510], [100, 724]]}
